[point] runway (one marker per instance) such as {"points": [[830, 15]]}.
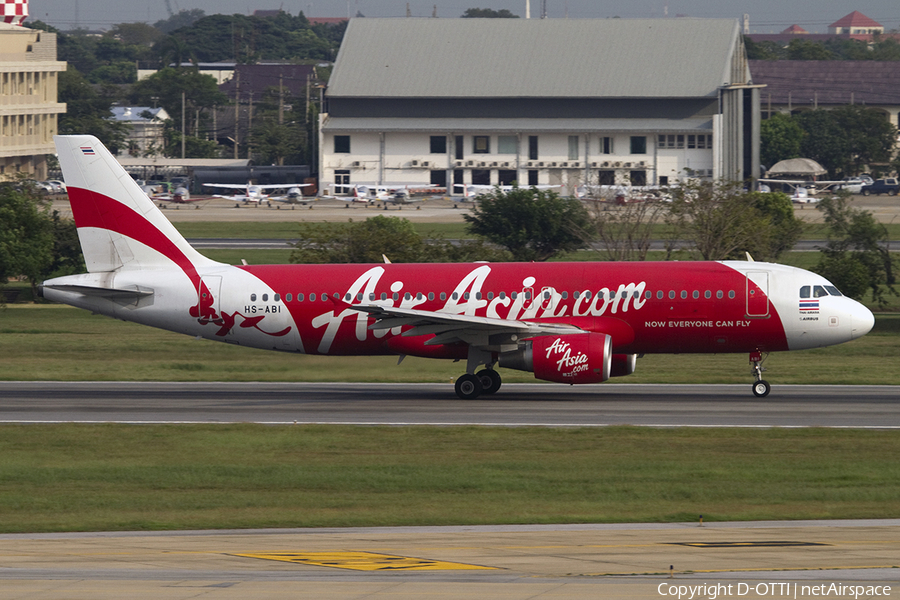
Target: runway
{"points": [[874, 407], [737, 560]]}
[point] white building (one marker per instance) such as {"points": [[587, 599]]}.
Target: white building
{"points": [[550, 101], [147, 125]]}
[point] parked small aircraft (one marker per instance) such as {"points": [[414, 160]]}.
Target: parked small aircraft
{"points": [[565, 322], [252, 192]]}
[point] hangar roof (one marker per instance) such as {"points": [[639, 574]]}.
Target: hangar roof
{"points": [[537, 58]]}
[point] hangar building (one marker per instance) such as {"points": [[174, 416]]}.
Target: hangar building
{"points": [[551, 101]]}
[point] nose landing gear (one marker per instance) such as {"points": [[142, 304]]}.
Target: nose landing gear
{"points": [[761, 387]]}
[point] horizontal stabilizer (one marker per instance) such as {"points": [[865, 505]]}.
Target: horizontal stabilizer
{"points": [[118, 294]]}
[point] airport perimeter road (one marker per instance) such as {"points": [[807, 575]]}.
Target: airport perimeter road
{"points": [[436, 404], [544, 562]]}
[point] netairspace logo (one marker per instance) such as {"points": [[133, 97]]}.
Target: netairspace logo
{"points": [[772, 590]]}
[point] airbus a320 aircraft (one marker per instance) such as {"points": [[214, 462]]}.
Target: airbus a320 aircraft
{"points": [[565, 322]]}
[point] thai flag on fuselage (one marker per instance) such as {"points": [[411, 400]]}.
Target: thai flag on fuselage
{"points": [[809, 305], [87, 150]]}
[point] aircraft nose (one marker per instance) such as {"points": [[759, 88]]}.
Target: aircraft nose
{"points": [[861, 321]]}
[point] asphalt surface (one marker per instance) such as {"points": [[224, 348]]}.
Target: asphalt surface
{"points": [[547, 562], [436, 404]]}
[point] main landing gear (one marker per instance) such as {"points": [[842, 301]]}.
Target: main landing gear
{"points": [[485, 382], [761, 387]]}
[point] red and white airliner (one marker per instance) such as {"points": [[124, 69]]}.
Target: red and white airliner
{"points": [[565, 322]]}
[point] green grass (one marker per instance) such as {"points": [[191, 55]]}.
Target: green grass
{"points": [[53, 342], [118, 477]]}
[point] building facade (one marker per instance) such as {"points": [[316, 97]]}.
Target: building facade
{"points": [[28, 100], [540, 102]]}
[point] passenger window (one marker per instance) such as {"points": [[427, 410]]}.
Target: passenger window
{"points": [[671, 294], [455, 296], [277, 297], [265, 297], [659, 295], [683, 294], [731, 294], [443, 296], [252, 297], [383, 295], [396, 296], [720, 295], [804, 291], [288, 297], [299, 297], [819, 291], [696, 294], [430, 296]]}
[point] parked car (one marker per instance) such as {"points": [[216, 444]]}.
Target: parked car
{"points": [[59, 187], [888, 185], [852, 184]]}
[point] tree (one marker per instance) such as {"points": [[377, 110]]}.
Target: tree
{"points": [[534, 225], [26, 234], [783, 229], [625, 232], [846, 138], [806, 50], [88, 112], [856, 257], [869, 135], [201, 95], [723, 221], [780, 138], [371, 240], [488, 13]]}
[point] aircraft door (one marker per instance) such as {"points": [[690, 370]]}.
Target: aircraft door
{"points": [[757, 292]]}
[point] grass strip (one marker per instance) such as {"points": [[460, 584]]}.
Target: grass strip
{"points": [[62, 343], [120, 477]]}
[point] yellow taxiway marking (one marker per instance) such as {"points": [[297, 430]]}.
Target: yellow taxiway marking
{"points": [[363, 561]]}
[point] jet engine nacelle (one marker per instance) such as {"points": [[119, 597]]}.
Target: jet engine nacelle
{"points": [[576, 358]]}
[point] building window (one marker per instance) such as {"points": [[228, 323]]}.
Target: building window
{"points": [[439, 178], [606, 177], [507, 144], [671, 141], [458, 147], [532, 147], [532, 177], [606, 145], [573, 147], [638, 177], [439, 144], [639, 144], [481, 177], [507, 176], [342, 144], [481, 144]]}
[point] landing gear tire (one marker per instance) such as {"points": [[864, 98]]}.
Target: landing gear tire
{"points": [[490, 381], [468, 386], [761, 388]]}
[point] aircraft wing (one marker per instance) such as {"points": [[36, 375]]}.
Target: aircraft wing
{"points": [[228, 186], [449, 328]]}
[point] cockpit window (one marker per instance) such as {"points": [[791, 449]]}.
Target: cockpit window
{"points": [[833, 290], [804, 291], [819, 291]]}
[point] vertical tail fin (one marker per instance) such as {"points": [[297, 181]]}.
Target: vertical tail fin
{"points": [[119, 227]]}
